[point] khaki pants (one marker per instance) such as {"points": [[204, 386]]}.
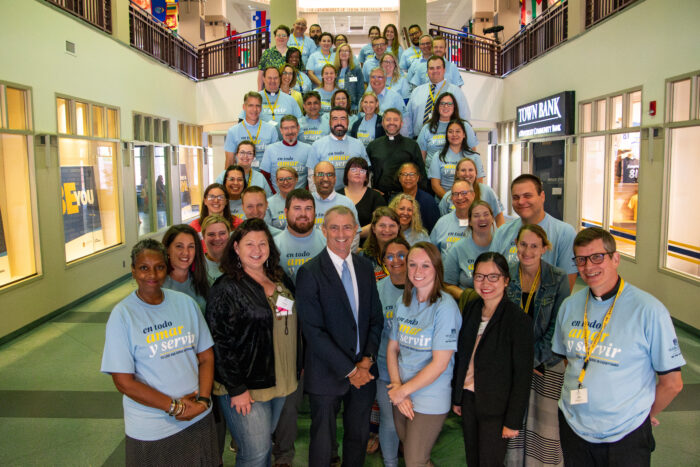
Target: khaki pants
{"points": [[418, 436]]}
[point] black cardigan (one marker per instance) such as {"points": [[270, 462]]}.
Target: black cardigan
{"points": [[240, 320], [502, 363], [378, 128]]}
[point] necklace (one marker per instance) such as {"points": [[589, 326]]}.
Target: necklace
{"points": [[162, 296]]}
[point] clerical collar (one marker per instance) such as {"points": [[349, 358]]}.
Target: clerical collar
{"points": [[391, 138], [271, 94], [287, 144], [610, 294]]}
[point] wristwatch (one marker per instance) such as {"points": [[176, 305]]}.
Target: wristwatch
{"points": [[371, 357], [204, 400]]}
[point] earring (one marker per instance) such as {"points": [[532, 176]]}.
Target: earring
{"points": [[239, 263]]}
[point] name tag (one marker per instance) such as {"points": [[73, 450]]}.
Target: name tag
{"points": [[352, 79], [256, 163], [464, 222], [579, 396], [284, 306]]}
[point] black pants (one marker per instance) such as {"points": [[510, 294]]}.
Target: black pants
{"points": [[357, 404], [483, 437], [634, 450], [286, 432]]}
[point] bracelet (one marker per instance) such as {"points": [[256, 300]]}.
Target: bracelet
{"points": [[204, 400], [181, 408], [173, 405]]}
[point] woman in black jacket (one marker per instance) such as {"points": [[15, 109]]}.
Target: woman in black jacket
{"points": [[493, 365], [253, 321]]}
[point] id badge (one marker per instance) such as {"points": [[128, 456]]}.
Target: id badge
{"points": [[256, 163], [579, 396], [284, 306], [352, 79], [464, 222]]}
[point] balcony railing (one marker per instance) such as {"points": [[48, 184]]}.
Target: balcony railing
{"points": [[153, 38], [469, 51], [546, 32], [231, 54], [96, 12], [598, 10]]}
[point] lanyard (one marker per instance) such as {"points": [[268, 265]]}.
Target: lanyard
{"points": [[533, 288], [416, 52], [327, 59], [592, 346], [272, 107], [433, 97], [250, 176], [254, 140], [296, 44]]}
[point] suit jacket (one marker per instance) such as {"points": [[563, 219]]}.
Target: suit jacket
{"points": [[502, 362], [329, 326]]}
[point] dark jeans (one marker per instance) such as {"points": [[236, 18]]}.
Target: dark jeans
{"points": [[634, 450], [483, 437]]}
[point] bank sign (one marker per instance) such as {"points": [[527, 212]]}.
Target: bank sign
{"points": [[551, 116]]}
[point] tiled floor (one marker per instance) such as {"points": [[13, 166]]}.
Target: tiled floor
{"points": [[58, 409]]}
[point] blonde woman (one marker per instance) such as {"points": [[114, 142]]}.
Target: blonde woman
{"points": [[410, 223]]}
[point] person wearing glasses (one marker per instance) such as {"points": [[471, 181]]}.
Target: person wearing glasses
{"points": [[413, 52], [366, 199], [275, 55], [337, 147], [250, 128], [372, 62], [290, 152], [245, 158], [288, 75], [390, 290], [388, 98], [527, 195], [493, 365], [539, 288], [425, 44], [215, 202], [623, 359], [410, 178], [326, 196], [366, 50], [419, 72], [452, 227], [395, 79], [299, 41]]}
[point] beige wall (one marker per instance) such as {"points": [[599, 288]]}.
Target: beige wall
{"points": [[643, 46]]}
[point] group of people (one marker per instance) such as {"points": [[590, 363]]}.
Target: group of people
{"points": [[359, 257]]}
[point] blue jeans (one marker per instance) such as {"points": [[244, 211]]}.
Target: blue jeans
{"points": [[388, 439], [253, 432]]}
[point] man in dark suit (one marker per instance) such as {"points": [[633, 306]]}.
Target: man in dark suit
{"points": [[342, 321]]}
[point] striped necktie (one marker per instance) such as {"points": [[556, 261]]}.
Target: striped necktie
{"points": [[429, 104]]}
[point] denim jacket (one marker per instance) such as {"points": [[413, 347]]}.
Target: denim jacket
{"points": [[355, 88], [554, 288]]}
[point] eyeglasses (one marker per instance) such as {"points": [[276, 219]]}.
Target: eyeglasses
{"points": [[325, 174], [408, 174], [447, 104], [358, 170], [234, 179], [284, 179], [491, 277], [399, 256], [287, 73], [379, 77], [245, 154], [461, 194], [425, 44], [216, 197], [281, 35], [595, 258]]}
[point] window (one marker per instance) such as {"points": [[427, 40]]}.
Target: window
{"points": [[682, 243], [151, 175], [190, 170], [506, 163], [610, 167], [17, 241], [89, 182]]}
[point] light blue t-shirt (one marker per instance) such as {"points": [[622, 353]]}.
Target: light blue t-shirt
{"points": [[413, 236], [275, 106], [389, 294], [310, 130], [334, 199], [420, 329], [408, 56], [413, 119], [213, 271], [326, 97], [158, 344], [459, 262], [486, 194], [560, 234], [187, 288], [317, 61], [305, 44], [638, 341], [365, 51], [275, 206], [389, 99], [420, 73], [370, 64], [255, 179], [303, 83], [243, 131], [281, 155], [445, 170], [295, 251], [400, 85], [337, 152], [366, 130], [415, 68], [432, 143], [448, 231]]}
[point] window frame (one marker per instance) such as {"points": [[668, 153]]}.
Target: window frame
{"points": [[188, 136], [668, 125]]}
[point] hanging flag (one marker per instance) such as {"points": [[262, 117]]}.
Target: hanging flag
{"points": [[536, 8]]}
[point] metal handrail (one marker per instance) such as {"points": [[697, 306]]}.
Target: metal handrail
{"points": [[234, 36], [462, 33], [155, 21]]}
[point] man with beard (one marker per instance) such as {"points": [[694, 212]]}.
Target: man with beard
{"points": [[388, 153], [336, 148], [299, 242], [315, 33], [413, 52], [275, 104]]}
